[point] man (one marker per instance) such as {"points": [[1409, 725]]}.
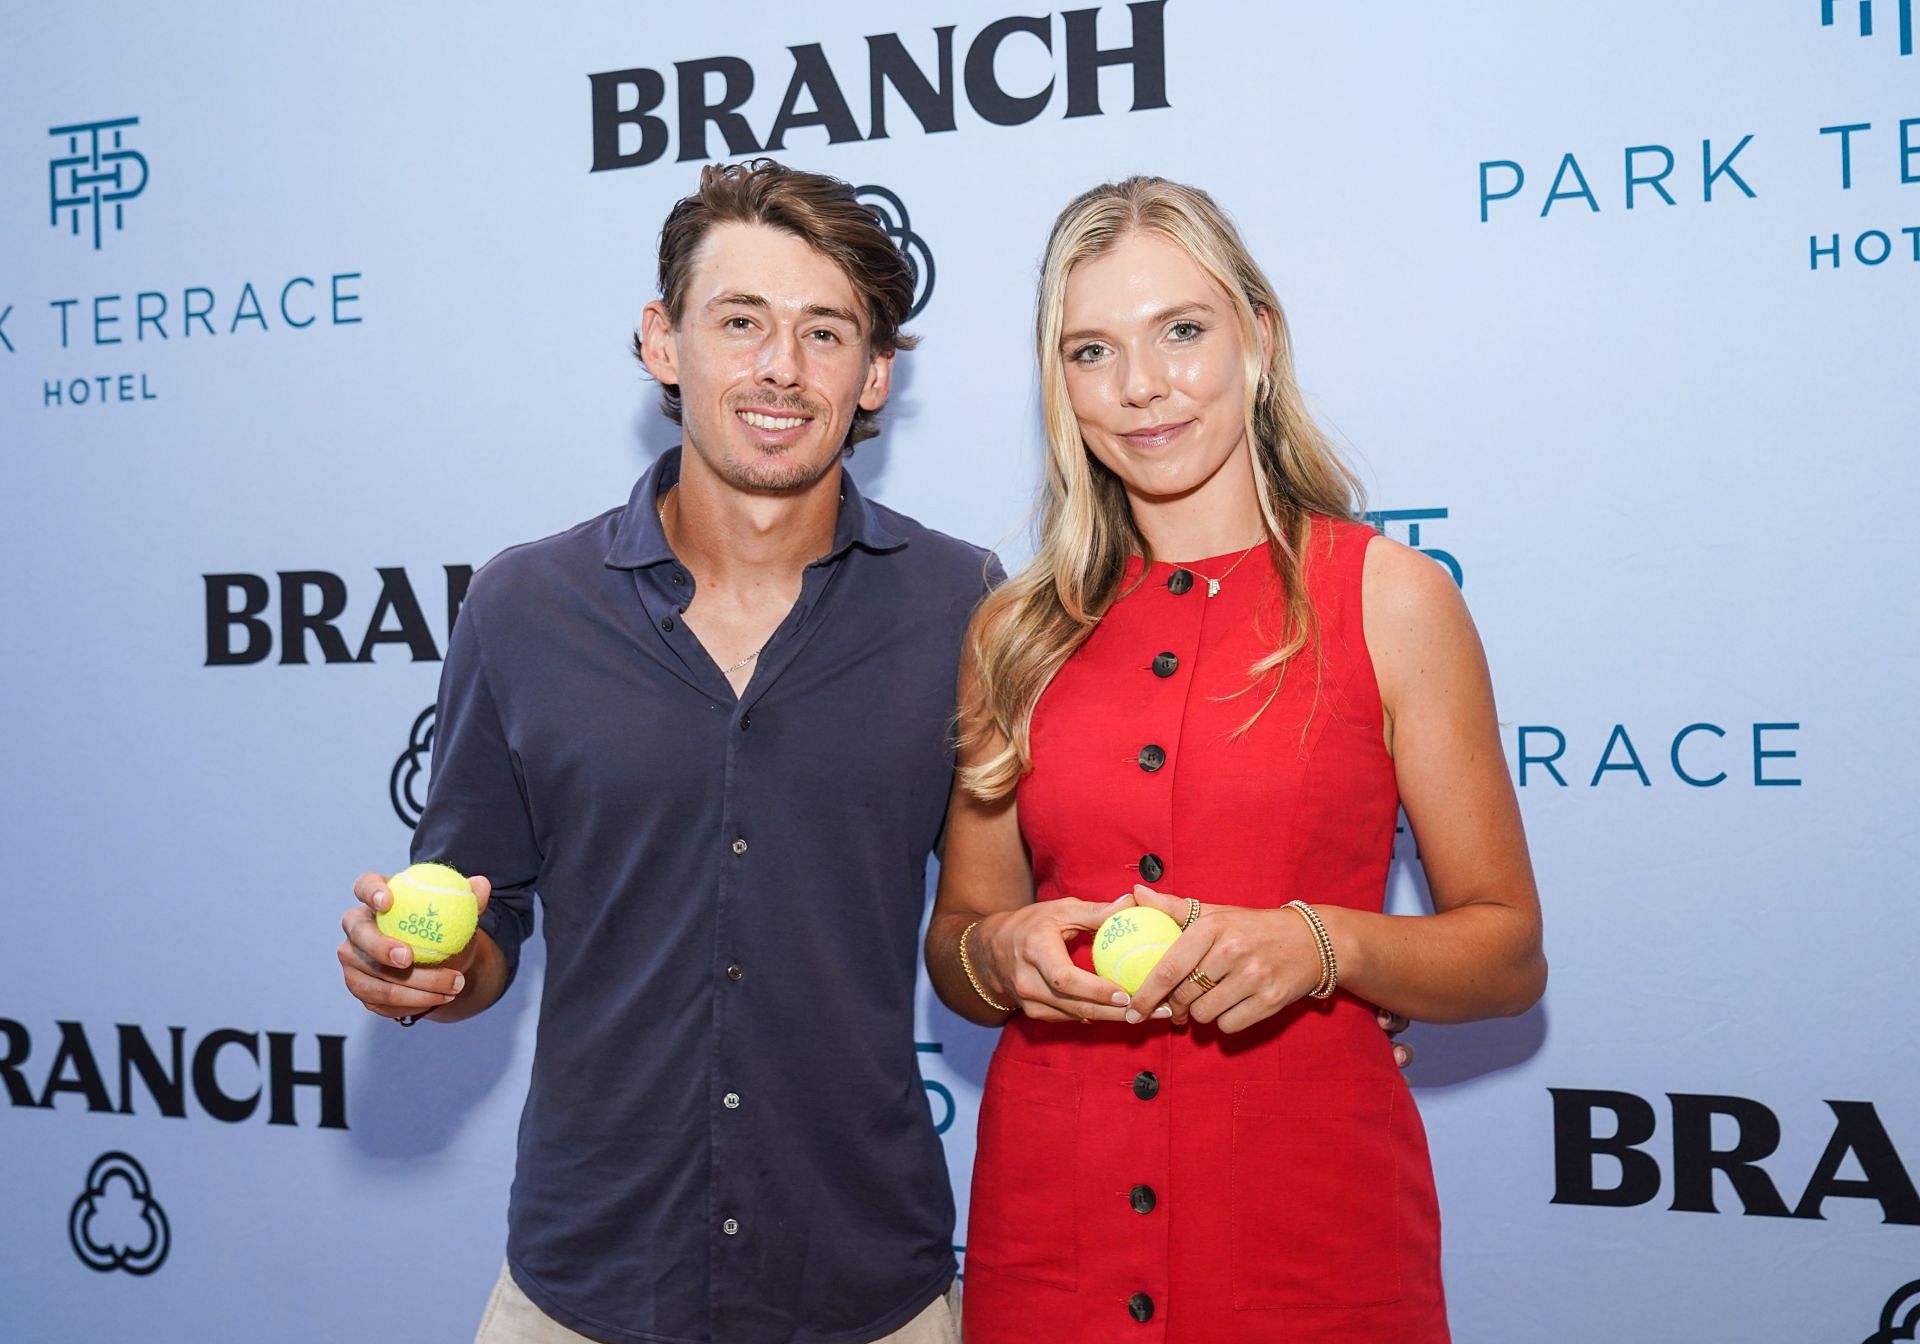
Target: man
{"points": [[711, 730]]}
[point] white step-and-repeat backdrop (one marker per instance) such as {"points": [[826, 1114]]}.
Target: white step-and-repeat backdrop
{"points": [[307, 311]]}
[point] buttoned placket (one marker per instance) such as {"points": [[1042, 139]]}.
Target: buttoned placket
{"points": [[666, 595], [1166, 663]]}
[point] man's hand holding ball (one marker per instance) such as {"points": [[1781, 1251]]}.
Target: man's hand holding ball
{"points": [[409, 939]]}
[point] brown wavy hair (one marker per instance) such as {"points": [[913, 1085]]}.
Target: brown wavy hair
{"points": [[824, 213]]}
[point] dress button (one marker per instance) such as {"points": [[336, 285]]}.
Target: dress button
{"points": [[1180, 582], [1140, 1306], [1165, 664], [732, 1225], [1146, 1085], [1151, 867], [731, 1101], [1151, 759], [739, 846], [735, 971], [1142, 1198]]}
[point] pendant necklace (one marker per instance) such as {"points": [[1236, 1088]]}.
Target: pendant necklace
{"points": [[1213, 585], [661, 512]]}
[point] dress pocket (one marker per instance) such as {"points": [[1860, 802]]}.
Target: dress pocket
{"points": [[1316, 1195], [1021, 1220]]}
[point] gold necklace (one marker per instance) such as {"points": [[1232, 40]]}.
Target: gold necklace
{"points": [[660, 512], [1213, 585]]}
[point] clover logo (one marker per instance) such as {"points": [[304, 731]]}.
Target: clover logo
{"points": [[891, 211], [1900, 1318], [407, 785], [116, 1223]]}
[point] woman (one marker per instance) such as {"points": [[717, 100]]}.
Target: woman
{"points": [[1211, 693]]}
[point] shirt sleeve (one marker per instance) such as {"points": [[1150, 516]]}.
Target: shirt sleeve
{"points": [[476, 817]]}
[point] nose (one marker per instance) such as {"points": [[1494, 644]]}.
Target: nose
{"points": [[779, 364], [1143, 382]]}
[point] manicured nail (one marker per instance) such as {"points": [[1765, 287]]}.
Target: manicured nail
{"points": [[1133, 1016], [1163, 1011], [1121, 998]]}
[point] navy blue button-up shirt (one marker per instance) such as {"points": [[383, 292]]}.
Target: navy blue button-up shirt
{"points": [[726, 1137]]}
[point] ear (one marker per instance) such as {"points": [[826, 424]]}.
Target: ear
{"points": [[657, 346], [879, 382], [1264, 318]]}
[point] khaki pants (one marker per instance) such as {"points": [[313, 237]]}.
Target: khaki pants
{"points": [[512, 1318]]}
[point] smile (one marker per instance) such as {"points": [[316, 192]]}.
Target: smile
{"points": [[760, 420], [1156, 436]]}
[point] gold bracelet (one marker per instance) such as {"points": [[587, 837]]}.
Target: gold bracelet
{"points": [[966, 964], [1323, 943]]}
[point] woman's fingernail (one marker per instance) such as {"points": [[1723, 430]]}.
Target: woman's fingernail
{"points": [[1163, 1011], [1121, 998], [1132, 1016]]}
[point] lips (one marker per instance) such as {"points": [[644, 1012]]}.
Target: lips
{"points": [[765, 420], [1156, 436]]}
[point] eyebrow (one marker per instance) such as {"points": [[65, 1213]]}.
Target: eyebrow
{"points": [[743, 300], [1165, 315]]}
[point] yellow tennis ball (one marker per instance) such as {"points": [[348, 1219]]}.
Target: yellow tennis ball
{"points": [[433, 911], [1130, 942]]}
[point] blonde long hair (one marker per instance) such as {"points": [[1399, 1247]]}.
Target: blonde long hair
{"points": [[1032, 624]]}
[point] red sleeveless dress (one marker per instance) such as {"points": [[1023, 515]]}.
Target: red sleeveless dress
{"points": [[1179, 1184]]}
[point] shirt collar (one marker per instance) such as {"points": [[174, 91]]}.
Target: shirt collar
{"points": [[639, 540]]}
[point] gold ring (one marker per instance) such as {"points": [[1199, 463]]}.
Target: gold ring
{"points": [[1202, 979], [1193, 913]]}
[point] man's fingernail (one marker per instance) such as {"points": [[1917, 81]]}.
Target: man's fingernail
{"points": [[459, 983], [1121, 999], [1132, 1016], [1163, 1011], [400, 956]]}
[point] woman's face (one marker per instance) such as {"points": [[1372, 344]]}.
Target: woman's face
{"points": [[1155, 367]]}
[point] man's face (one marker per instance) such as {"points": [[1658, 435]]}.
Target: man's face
{"points": [[771, 358]]}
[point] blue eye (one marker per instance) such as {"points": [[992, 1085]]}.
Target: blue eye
{"points": [[1185, 331], [1088, 353]]}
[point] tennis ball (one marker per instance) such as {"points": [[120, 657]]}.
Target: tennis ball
{"points": [[433, 911], [1130, 942]]}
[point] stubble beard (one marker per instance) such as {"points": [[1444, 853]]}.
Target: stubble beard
{"points": [[758, 470]]}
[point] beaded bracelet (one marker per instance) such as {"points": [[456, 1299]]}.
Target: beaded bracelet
{"points": [[1329, 967], [966, 964]]}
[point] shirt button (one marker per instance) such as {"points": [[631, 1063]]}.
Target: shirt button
{"points": [[731, 1101], [1180, 582], [1146, 1085], [735, 971], [667, 624], [1142, 1198], [1151, 867], [732, 1226], [1165, 664], [746, 722], [739, 846], [678, 577], [1151, 759], [1140, 1306]]}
